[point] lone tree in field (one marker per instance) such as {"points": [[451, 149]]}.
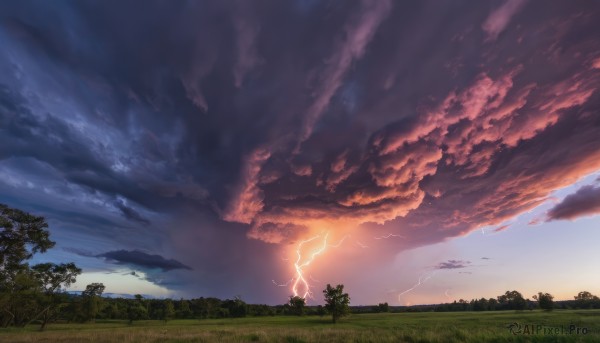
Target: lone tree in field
{"points": [[297, 305], [545, 300], [336, 301]]}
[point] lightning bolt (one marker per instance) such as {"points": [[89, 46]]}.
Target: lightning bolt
{"points": [[337, 245], [300, 280], [388, 236], [300, 285], [422, 280], [361, 245]]}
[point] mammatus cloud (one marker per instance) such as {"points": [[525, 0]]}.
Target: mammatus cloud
{"points": [[463, 139], [584, 202], [453, 264], [141, 259]]}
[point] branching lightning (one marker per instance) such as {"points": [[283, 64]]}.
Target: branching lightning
{"points": [[300, 285], [389, 235], [340, 242], [422, 279], [300, 280], [361, 245]]}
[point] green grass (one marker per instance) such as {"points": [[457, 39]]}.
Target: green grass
{"points": [[401, 327]]}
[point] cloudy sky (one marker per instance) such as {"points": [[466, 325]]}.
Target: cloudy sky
{"points": [[416, 151]]}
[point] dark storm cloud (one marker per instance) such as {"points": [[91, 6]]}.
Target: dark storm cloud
{"points": [[79, 252], [130, 213], [143, 260], [584, 202], [453, 264], [218, 121]]}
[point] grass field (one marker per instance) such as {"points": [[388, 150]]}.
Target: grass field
{"points": [[388, 327]]}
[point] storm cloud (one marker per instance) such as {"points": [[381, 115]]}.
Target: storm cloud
{"points": [[584, 202], [221, 133], [143, 260]]}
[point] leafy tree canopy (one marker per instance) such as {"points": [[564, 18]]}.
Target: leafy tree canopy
{"points": [[336, 301]]}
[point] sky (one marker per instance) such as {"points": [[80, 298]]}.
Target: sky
{"points": [[416, 152]]}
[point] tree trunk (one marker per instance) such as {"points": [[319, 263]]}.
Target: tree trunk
{"points": [[12, 318], [43, 327], [36, 316]]}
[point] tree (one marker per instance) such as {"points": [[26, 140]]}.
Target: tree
{"points": [[545, 301], [92, 300], [492, 303], [184, 310], [52, 277], [586, 299], [236, 308], [512, 300], [321, 311], [336, 301], [168, 310], [30, 293], [20, 302], [22, 236], [383, 307], [297, 305], [136, 311]]}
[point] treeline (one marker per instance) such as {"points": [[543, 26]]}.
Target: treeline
{"points": [[90, 306], [515, 301], [511, 300], [36, 294], [75, 309]]}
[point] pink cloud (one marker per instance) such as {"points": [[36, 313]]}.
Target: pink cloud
{"points": [[497, 21], [248, 200], [501, 228], [464, 135], [472, 159], [302, 170]]}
